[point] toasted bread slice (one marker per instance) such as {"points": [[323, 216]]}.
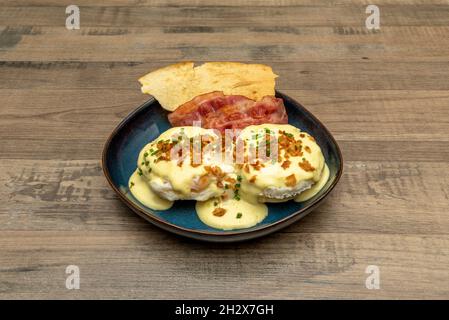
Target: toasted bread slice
{"points": [[176, 84]]}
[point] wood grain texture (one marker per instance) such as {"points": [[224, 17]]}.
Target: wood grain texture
{"points": [[384, 95], [273, 43], [218, 3]]}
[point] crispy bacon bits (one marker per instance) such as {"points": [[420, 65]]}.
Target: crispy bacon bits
{"points": [[162, 149], [307, 148], [290, 181], [202, 183], [215, 171], [286, 164], [230, 180], [220, 176], [287, 142], [306, 166], [257, 165], [219, 212]]}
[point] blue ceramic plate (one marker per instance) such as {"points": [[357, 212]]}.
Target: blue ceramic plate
{"points": [[148, 121]]}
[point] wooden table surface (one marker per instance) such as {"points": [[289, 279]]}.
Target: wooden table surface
{"points": [[383, 94]]}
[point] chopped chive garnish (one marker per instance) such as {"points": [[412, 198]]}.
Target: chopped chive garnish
{"points": [[154, 152], [139, 172], [145, 154], [239, 215]]}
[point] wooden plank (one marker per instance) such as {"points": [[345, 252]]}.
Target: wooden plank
{"points": [[218, 3], [355, 75], [373, 197], [124, 265], [257, 43], [337, 16]]}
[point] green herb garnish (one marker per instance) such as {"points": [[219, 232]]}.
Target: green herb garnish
{"points": [[239, 215], [236, 195]]}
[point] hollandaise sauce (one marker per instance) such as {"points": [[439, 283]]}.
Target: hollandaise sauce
{"points": [[231, 213], [140, 189], [306, 195]]}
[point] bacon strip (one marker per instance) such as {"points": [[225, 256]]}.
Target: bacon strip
{"points": [[218, 111]]}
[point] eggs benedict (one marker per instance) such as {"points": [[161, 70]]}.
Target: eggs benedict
{"points": [[281, 161], [270, 163], [184, 163]]}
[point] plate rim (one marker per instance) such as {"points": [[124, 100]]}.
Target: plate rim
{"points": [[217, 236]]}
